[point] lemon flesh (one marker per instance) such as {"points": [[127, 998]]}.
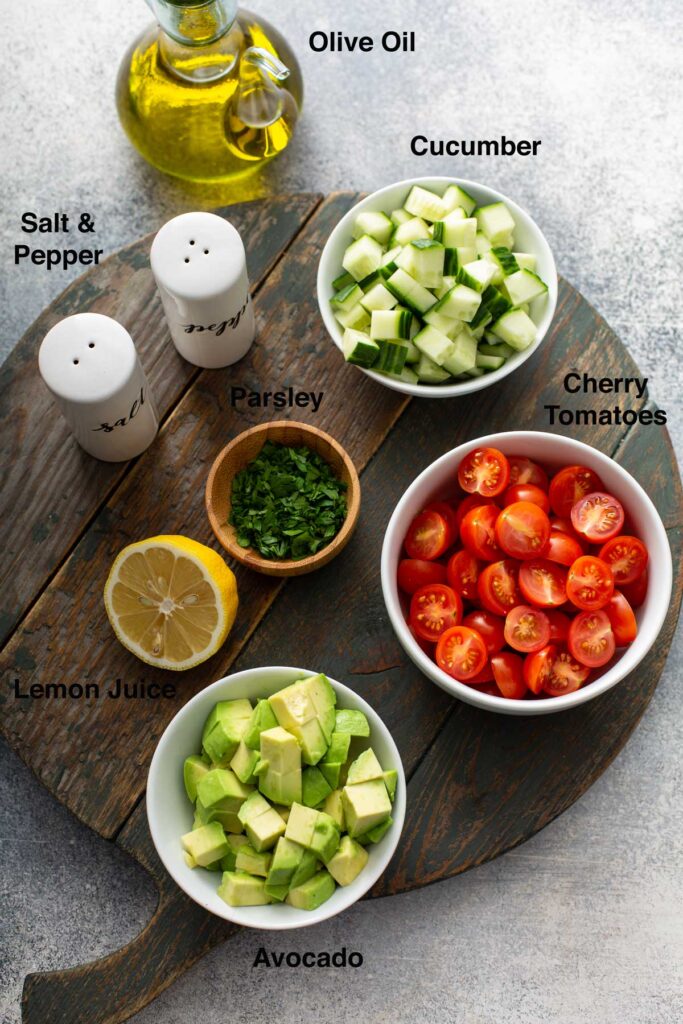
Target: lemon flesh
{"points": [[171, 601]]}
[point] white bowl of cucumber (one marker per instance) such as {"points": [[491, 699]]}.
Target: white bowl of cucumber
{"points": [[351, 805], [437, 287]]}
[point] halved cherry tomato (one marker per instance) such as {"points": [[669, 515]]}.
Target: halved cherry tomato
{"points": [[566, 674], [491, 628], [463, 571], [564, 525], [447, 512], [590, 583], [478, 532], [538, 667], [527, 492], [562, 548], [559, 625], [498, 588], [622, 619], [523, 530], [427, 537], [591, 640], [482, 678], [508, 672], [461, 653], [598, 517], [524, 471], [570, 485], [414, 573], [468, 503], [527, 629], [627, 558], [484, 471], [543, 583], [635, 593], [433, 610]]}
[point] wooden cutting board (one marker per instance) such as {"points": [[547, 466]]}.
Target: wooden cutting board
{"points": [[479, 783]]}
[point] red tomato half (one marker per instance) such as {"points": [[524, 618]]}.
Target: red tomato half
{"points": [[478, 532], [414, 573], [635, 593], [428, 536], [524, 471], [538, 667], [461, 653], [491, 628], [483, 678], [523, 530], [527, 492], [564, 525], [463, 571], [570, 485], [508, 672], [559, 625], [598, 517], [484, 471], [622, 619], [543, 583], [627, 558], [591, 640], [468, 503], [498, 588], [433, 610], [447, 512], [590, 583], [566, 675], [562, 548], [527, 629]]}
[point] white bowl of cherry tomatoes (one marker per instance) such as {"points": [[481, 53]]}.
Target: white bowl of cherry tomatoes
{"points": [[526, 573]]}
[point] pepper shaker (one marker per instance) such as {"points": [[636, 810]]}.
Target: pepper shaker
{"points": [[89, 363], [200, 268]]}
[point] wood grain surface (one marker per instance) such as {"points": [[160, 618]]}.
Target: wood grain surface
{"points": [[479, 783]]}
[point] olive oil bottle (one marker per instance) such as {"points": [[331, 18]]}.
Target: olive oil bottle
{"points": [[209, 93]]}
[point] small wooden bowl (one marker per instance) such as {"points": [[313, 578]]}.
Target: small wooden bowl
{"points": [[243, 450]]}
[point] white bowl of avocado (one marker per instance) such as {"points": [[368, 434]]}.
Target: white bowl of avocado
{"points": [[276, 798]]}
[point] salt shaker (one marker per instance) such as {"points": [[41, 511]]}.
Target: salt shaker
{"points": [[89, 363], [200, 268]]}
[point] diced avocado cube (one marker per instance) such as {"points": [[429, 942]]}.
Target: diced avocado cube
{"points": [[390, 781], [244, 762], [314, 786], [307, 868], [286, 859], [334, 807], [189, 860], [338, 750], [277, 893], [262, 823], [279, 770], [301, 825], [306, 709], [365, 768], [376, 833], [206, 844], [326, 837], [239, 889], [253, 863], [366, 804], [262, 718], [284, 812], [314, 830], [225, 817], [352, 722], [348, 861], [331, 773], [220, 788], [194, 769], [234, 843], [313, 893], [224, 729]]}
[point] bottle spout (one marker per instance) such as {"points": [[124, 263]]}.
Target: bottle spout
{"points": [[194, 22], [264, 61]]}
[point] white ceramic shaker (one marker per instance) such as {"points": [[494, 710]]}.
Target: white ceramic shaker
{"points": [[200, 268], [89, 363]]}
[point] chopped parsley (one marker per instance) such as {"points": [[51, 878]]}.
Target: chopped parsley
{"points": [[287, 503]]}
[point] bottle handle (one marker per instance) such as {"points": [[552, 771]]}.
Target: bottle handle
{"points": [[259, 100]]}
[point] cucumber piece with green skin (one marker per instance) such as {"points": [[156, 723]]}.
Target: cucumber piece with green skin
{"points": [[392, 357], [409, 292], [389, 256], [434, 344], [476, 371], [525, 260], [446, 324], [367, 282], [363, 257], [476, 275], [357, 317], [505, 260], [437, 231], [515, 328], [493, 305], [378, 297], [450, 263], [482, 244], [466, 254], [399, 217], [429, 373], [343, 281], [447, 283], [407, 375], [359, 349], [390, 324], [409, 231], [524, 286], [499, 348], [464, 354], [425, 204], [374, 224], [460, 303], [459, 231], [423, 259], [496, 222], [455, 196], [347, 297], [488, 363], [413, 354]]}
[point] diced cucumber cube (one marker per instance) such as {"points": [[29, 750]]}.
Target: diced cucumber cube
{"points": [[496, 222], [358, 318], [407, 375], [400, 217], [374, 224], [485, 362], [388, 324], [362, 257], [495, 347], [445, 286], [524, 286], [446, 324], [392, 357], [476, 275], [413, 354], [505, 259], [359, 349], [344, 280], [423, 260], [347, 298], [455, 196], [481, 243], [409, 231], [434, 344], [429, 373], [516, 328], [390, 256], [476, 371], [409, 292], [425, 204], [497, 272], [378, 297], [466, 254], [460, 303], [459, 231], [464, 354], [525, 260]]}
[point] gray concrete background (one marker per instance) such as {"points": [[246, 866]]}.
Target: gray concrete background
{"points": [[582, 924]]}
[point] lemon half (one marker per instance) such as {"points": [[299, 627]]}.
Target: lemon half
{"points": [[171, 601]]}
